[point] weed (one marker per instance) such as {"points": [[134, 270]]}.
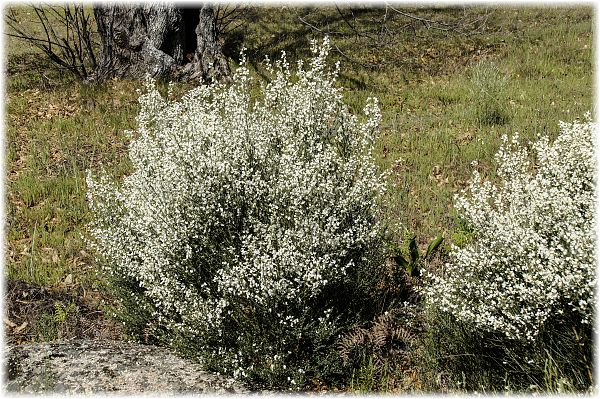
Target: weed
{"points": [[45, 328], [364, 379], [456, 356], [413, 264], [61, 312], [52, 326]]}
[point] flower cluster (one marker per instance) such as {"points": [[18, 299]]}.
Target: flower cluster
{"points": [[533, 254], [243, 217]]}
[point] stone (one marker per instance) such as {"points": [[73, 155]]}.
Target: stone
{"points": [[106, 366]]}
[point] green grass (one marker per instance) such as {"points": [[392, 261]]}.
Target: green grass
{"points": [[57, 128], [558, 361], [53, 137]]}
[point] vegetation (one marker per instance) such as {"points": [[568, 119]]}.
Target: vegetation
{"points": [[432, 86], [248, 230], [525, 284]]}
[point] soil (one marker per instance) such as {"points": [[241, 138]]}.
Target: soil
{"points": [[35, 313]]}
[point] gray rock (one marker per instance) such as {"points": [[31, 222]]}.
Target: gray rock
{"points": [[93, 366]]}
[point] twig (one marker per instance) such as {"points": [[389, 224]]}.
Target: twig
{"points": [[428, 23], [73, 50], [352, 59], [317, 29], [350, 25]]}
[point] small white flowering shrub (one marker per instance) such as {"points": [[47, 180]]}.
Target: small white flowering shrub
{"points": [[532, 259], [247, 231]]}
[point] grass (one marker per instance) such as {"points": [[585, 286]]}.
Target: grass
{"points": [[57, 128], [457, 357], [53, 138]]}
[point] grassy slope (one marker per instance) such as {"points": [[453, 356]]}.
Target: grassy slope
{"points": [[57, 128]]}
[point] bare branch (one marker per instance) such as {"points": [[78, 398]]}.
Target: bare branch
{"points": [[225, 16], [317, 29], [66, 37], [350, 25]]}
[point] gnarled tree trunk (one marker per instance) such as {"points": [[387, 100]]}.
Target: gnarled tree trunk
{"points": [[162, 40]]}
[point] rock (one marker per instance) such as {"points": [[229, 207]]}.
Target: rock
{"points": [[92, 366]]}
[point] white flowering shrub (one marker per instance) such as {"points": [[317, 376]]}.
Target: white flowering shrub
{"points": [[247, 230], [532, 259]]}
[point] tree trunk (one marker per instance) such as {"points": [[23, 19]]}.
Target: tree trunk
{"points": [[162, 40]]}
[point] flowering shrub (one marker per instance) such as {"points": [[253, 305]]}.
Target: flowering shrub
{"points": [[533, 254], [247, 226]]}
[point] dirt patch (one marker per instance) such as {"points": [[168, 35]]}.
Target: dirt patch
{"points": [[35, 313]]}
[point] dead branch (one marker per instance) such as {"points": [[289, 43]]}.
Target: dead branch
{"points": [[66, 39]]}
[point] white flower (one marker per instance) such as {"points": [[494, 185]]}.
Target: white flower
{"points": [[236, 205], [533, 253]]}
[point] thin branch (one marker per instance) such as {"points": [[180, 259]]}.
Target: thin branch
{"points": [[352, 60], [428, 23], [350, 25], [431, 24], [66, 38], [21, 35], [317, 29], [383, 24]]}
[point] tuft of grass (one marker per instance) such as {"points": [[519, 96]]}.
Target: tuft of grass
{"points": [[457, 357], [364, 378], [367, 378], [488, 94]]}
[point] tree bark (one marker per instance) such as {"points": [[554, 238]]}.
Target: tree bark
{"points": [[162, 40]]}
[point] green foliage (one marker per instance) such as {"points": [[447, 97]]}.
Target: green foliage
{"points": [[414, 262], [133, 312], [461, 234], [376, 353], [368, 378], [364, 378], [61, 312], [50, 326], [46, 328]]}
